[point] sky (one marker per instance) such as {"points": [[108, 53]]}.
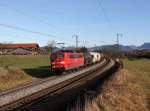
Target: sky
{"points": [[59, 20]]}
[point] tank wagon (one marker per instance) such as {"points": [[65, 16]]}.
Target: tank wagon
{"points": [[67, 60], [95, 56]]}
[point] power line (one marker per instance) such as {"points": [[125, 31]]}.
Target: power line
{"points": [[104, 13], [29, 16], [28, 30], [25, 14], [34, 32], [21, 36]]}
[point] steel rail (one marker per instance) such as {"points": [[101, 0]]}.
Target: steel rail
{"points": [[57, 87], [12, 90]]}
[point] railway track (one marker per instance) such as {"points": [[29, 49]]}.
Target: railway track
{"points": [[29, 94]]}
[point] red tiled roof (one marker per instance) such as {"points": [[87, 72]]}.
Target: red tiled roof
{"points": [[13, 46]]}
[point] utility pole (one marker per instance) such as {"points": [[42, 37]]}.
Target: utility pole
{"points": [[84, 43], [118, 35], [76, 40], [117, 38]]}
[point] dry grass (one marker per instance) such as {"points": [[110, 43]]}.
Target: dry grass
{"points": [[12, 76], [20, 69], [122, 93], [128, 90]]}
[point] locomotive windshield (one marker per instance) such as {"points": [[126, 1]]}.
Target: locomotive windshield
{"points": [[57, 56]]}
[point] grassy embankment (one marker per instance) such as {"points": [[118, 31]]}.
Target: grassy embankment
{"points": [[20, 69], [128, 90], [140, 69]]}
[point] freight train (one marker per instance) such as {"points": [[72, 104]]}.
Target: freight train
{"points": [[62, 61]]}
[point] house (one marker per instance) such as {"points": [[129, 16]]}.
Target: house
{"points": [[19, 49]]}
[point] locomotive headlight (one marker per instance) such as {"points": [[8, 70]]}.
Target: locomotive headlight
{"points": [[62, 62], [58, 62], [53, 62]]}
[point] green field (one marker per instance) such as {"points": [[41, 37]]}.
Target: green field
{"points": [[140, 68], [20, 69], [25, 61], [36, 65]]}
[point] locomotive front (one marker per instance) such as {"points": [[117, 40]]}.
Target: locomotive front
{"points": [[65, 61], [57, 61]]}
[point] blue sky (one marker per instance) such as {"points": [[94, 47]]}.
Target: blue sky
{"points": [[63, 18]]}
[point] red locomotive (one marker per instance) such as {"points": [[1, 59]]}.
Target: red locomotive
{"points": [[66, 60]]}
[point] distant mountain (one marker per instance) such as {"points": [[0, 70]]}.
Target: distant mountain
{"points": [[114, 47], [128, 48], [145, 46], [123, 47]]}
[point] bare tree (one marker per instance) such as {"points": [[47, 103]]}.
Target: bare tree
{"points": [[51, 45]]}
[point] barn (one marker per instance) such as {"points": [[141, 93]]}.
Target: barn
{"points": [[19, 49]]}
